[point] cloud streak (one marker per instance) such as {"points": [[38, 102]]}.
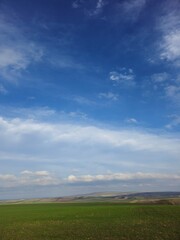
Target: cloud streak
{"points": [[91, 149], [109, 96], [121, 177], [28, 178], [94, 11], [160, 77], [175, 122], [131, 121], [124, 77], [171, 47], [3, 90], [132, 8], [169, 26], [17, 52], [17, 130], [169, 85], [98, 9], [173, 93], [45, 178], [128, 10]]}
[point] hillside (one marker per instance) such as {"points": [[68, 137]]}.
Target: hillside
{"points": [[171, 198]]}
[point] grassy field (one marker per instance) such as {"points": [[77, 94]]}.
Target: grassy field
{"points": [[89, 221]]}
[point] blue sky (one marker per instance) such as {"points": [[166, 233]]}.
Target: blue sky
{"points": [[89, 96]]}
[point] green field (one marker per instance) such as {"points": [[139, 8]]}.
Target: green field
{"points": [[106, 221]]}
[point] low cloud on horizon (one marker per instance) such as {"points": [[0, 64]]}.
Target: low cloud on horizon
{"points": [[79, 154]]}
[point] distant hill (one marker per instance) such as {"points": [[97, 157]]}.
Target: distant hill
{"points": [[116, 197]]}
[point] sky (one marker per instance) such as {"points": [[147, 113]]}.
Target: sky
{"points": [[89, 97]]}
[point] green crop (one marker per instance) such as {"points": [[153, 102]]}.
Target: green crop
{"points": [[89, 221]]}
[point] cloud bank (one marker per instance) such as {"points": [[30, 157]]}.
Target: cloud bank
{"points": [[92, 150]]}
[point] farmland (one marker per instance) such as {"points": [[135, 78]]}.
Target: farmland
{"points": [[89, 221]]}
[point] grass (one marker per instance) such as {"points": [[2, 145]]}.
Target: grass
{"points": [[89, 221]]}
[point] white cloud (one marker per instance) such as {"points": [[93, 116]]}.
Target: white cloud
{"points": [[15, 59], [41, 173], [38, 112], [98, 153], [131, 9], [77, 3], [131, 120], [11, 57], [94, 11], [121, 177], [7, 177], [78, 114], [16, 131], [173, 92], [3, 89], [28, 178], [60, 147], [27, 172], [170, 47], [98, 9], [44, 178], [43, 113], [169, 26], [160, 77], [65, 61], [109, 96], [175, 122], [17, 52], [37, 173], [133, 6], [169, 85], [160, 80], [83, 100], [124, 77]]}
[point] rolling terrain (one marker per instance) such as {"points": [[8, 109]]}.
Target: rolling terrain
{"points": [[171, 198]]}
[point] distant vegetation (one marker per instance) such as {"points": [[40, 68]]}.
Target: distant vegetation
{"points": [[89, 221]]}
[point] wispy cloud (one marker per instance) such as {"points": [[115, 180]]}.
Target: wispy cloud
{"points": [[175, 122], [173, 93], [3, 90], [17, 52], [160, 81], [83, 100], [43, 114], [132, 8], [43, 136], [168, 85], [90, 10], [93, 150], [128, 10], [77, 3], [160, 77], [169, 26], [98, 8], [124, 77], [66, 62], [131, 121], [109, 96], [170, 47]]}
